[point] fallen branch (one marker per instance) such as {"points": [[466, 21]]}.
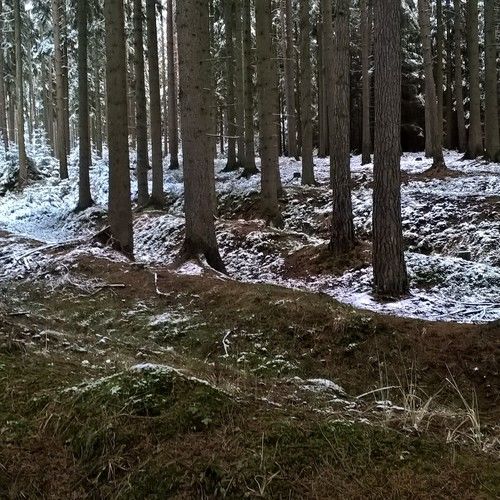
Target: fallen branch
{"points": [[158, 291]]}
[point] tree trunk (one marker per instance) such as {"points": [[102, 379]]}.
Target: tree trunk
{"points": [[164, 122], [290, 80], [459, 93], [3, 108], [195, 101], [250, 168], [366, 42], [58, 59], [84, 196], [322, 100], [450, 129], [65, 76], [306, 94], [232, 163], [342, 239], [430, 89], [491, 81], [173, 128], [141, 116], [267, 91], [475, 144], [240, 100], [389, 269], [120, 208], [23, 160], [98, 110], [157, 195], [439, 67]]}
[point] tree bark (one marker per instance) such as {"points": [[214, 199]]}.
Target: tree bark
{"points": [[475, 143], [164, 109], [306, 94], [267, 91], [157, 195], [98, 109], [342, 238], [491, 81], [366, 41], [450, 128], [240, 99], [389, 269], [459, 93], [195, 101], [23, 160], [431, 104], [84, 196], [141, 115], [58, 59], [3, 107], [173, 128], [439, 67], [232, 163], [250, 168], [290, 80], [119, 208]]}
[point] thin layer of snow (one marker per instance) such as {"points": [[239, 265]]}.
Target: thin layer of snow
{"points": [[444, 221]]}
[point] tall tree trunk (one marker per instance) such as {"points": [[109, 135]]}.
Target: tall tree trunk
{"points": [[173, 128], [141, 116], [267, 91], [290, 80], [58, 57], [475, 144], [164, 122], [84, 196], [439, 66], [240, 100], [250, 168], [450, 129], [3, 108], [98, 109], [342, 239], [459, 93], [430, 88], [65, 73], [389, 269], [195, 101], [322, 99], [157, 195], [232, 163], [366, 42], [23, 160], [120, 207], [306, 93], [491, 81]]}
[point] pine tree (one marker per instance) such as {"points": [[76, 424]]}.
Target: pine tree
{"points": [[195, 99], [3, 109], [173, 128], [459, 96], [119, 204], [290, 79], [389, 269], [366, 35]]}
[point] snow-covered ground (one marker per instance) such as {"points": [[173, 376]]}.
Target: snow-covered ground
{"points": [[451, 227]]}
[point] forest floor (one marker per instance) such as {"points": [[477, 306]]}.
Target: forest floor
{"points": [[123, 380]]}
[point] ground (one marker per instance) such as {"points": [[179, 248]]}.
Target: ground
{"points": [[141, 379]]}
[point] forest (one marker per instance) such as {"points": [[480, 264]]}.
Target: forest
{"points": [[249, 249]]}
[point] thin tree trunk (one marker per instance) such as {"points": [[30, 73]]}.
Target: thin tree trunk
{"points": [[250, 168], [232, 163], [84, 196], [366, 41], [58, 56], [164, 122], [475, 144], [157, 195], [450, 130], [173, 128], [306, 93], [240, 99], [491, 81], [290, 80], [389, 269], [141, 117], [342, 239], [459, 96], [98, 109], [430, 88], [439, 67], [3, 109], [267, 90], [195, 100], [119, 208], [23, 160], [65, 76], [322, 104]]}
